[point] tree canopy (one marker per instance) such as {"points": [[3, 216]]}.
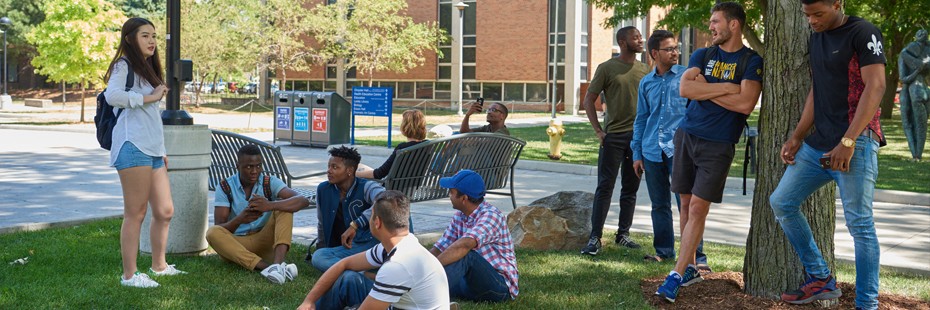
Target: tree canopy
{"points": [[76, 41], [374, 35]]}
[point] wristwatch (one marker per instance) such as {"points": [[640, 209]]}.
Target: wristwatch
{"points": [[353, 225], [847, 142]]}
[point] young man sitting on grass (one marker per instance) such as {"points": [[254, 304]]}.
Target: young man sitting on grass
{"points": [[476, 248], [254, 215], [408, 278]]}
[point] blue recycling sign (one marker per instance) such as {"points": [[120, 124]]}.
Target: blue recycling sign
{"points": [[283, 118], [301, 119], [372, 101]]}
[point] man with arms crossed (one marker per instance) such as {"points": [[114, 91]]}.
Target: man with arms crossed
{"points": [[848, 72], [659, 110], [409, 276], [723, 92], [618, 78]]}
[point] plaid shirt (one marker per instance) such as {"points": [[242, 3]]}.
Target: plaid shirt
{"points": [[488, 226]]}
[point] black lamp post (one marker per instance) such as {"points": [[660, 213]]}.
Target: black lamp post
{"points": [[6, 23]]}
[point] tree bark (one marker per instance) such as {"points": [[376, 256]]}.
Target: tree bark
{"points": [[771, 265]]}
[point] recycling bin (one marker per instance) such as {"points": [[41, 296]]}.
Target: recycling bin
{"points": [[284, 116], [330, 119], [301, 102]]}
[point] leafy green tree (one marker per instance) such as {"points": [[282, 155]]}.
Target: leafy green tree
{"points": [[283, 27], [24, 15], [220, 37], [148, 9], [685, 13], [76, 41], [374, 35]]}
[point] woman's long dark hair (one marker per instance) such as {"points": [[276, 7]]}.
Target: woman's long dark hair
{"points": [[149, 69]]}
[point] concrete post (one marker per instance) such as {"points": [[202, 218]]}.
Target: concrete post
{"points": [[188, 148], [573, 29]]}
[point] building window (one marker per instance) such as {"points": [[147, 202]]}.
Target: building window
{"points": [[556, 38], [536, 92], [300, 85], [443, 90], [513, 92], [471, 90], [491, 91], [424, 90], [315, 85], [469, 40], [405, 90]]}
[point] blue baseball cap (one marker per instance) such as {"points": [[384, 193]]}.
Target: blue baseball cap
{"points": [[466, 182]]}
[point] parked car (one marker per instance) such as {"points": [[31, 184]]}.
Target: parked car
{"points": [[250, 88]]}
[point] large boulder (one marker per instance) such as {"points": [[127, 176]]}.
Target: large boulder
{"points": [[561, 221]]}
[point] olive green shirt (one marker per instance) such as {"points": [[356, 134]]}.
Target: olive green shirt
{"points": [[620, 83]]}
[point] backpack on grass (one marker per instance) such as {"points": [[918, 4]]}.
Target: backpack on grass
{"points": [[105, 119]]}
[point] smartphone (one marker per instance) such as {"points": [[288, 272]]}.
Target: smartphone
{"points": [[825, 162], [481, 101]]}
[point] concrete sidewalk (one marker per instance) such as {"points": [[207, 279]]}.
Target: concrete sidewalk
{"points": [[59, 176]]}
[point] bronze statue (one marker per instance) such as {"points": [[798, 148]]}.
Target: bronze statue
{"points": [[914, 68]]}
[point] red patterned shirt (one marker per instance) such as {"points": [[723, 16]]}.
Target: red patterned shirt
{"points": [[488, 226]]}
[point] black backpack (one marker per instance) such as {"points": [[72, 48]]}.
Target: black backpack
{"points": [[105, 119]]}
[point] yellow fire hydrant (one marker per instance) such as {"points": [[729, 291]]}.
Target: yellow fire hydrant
{"points": [[555, 132]]}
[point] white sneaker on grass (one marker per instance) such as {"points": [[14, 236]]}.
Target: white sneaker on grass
{"points": [[139, 280], [274, 274], [169, 271], [289, 271]]}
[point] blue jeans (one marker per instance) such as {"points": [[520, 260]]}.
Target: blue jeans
{"points": [[663, 227], [350, 289], [473, 278], [327, 257], [856, 188]]}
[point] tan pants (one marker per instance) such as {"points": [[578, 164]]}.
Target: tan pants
{"points": [[247, 251]]}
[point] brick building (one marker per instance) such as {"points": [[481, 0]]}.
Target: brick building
{"points": [[507, 55]]}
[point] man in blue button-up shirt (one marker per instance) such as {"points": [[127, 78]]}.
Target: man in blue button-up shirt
{"points": [[659, 110]]}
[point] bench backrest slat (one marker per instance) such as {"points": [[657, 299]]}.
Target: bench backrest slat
{"points": [[223, 158], [416, 170]]}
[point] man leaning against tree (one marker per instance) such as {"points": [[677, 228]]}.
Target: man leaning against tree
{"points": [[848, 73]]}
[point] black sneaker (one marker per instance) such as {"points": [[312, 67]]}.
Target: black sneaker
{"points": [[626, 241], [594, 246]]}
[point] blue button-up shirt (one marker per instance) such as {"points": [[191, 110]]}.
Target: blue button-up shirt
{"points": [[659, 110]]}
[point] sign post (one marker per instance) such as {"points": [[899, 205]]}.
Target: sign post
{"points": [[372, 101]]}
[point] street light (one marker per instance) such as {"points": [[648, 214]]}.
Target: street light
{"points": [[457, 54], [6, 22]]}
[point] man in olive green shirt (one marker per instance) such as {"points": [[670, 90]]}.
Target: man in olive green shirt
{"points": [[619, 79]]}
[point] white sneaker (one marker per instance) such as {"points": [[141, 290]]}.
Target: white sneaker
{"points": [[139, 280], [289, 270], [274, 274], [169, 271]]}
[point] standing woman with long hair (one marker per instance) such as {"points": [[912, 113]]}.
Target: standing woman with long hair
{"points": [[138, 151]]}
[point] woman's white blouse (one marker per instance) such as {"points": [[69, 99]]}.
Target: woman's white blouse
{"points": [[139, 123]]}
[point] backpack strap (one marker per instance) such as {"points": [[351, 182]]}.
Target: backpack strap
{"points": [[228, 191], [130, 79], [266, 184]]}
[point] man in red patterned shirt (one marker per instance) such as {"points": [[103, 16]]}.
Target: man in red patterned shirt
{"points": [[476, 250]]}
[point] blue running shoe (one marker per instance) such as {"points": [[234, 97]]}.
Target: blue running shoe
{"points": [[812, 290], [692, 276], [669, 288]]}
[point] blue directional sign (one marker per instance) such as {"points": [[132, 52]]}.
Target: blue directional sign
{"points": [[283, 118], [372, 101], [301, 119]]}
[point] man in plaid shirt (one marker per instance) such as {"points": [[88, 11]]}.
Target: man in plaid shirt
{"points": [[476, 250]]}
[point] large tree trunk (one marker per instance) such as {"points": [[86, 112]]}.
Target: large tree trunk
{"points": [[771, 265]]}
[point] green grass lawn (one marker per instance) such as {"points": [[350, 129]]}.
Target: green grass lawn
{"points": [[580, 146], [78, 268]]}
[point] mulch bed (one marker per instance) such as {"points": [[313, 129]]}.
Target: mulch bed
{"points": [[724, 290]]}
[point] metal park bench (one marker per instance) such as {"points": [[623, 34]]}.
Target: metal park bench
{"points": [[417, 169], [223, 162]]}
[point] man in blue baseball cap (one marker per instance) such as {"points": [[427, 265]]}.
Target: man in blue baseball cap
{"points": [[476, 250]]}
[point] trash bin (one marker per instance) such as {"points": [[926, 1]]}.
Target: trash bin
{"points": [[331, 117], [301, 101], [283, 116]]}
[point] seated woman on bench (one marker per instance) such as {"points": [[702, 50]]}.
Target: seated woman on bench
{"points": [[413, 126]]}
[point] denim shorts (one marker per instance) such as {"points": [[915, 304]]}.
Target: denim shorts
{"points": [[130, 156]]}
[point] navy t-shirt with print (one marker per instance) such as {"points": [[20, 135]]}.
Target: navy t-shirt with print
{"points": [[836, 59], [707, 120]]}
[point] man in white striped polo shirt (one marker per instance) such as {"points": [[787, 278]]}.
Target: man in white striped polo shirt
{"points": [[409, 276]]}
